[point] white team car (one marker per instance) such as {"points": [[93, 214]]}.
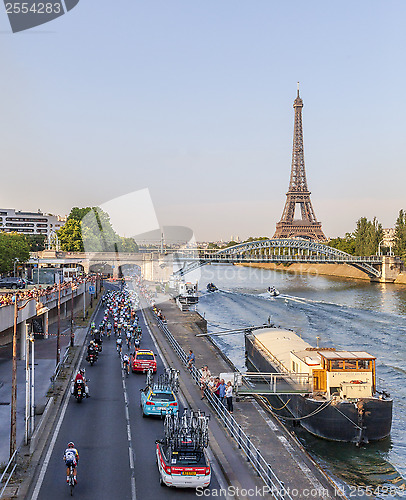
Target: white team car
{"points": [[183, 467]]}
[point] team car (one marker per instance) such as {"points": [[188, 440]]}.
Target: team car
{"points": [[157, 401], [183, 467], [143, 360]]}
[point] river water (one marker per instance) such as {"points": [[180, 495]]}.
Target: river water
{"points": [[345, 314]]}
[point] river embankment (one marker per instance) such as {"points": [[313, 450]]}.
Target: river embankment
{"points": [[338, 270]]}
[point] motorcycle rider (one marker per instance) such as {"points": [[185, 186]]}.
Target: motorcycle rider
{"points": [[91, 349], [71, 457], [80, 376]]}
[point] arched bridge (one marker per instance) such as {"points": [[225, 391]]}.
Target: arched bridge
{"points": [[287, 251]]}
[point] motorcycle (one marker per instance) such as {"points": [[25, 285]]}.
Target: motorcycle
{"points": [[99, 345], [91, 358], [79, 391]]}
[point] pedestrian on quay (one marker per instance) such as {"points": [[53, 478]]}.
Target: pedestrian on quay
{"points": [[222, 390], [191, 359], [216, 387], [204, 379], [229, 397]]}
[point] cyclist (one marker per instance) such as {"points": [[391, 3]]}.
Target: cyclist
{"points": [[92, 326], [71, 457], [128, 335], [119, 342], [126, 363]]}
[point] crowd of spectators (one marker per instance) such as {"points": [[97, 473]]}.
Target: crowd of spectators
{"points": [[7, 298]]}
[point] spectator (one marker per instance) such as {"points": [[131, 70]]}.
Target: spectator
{"points": [[191, 359], [229, 397], [211, 384], [222, 390], [216, 387], [204, 379]]}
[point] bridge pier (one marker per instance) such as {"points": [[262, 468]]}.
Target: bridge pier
{"points": [[391, 267]]}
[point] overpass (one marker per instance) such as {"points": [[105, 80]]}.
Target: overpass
{"points": [[152, 265], [289, 251]]}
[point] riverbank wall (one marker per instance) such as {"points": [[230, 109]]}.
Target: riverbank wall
{"points": [[337, 270]]}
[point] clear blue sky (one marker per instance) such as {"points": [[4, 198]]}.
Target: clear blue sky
{"points": [[193, 100]]}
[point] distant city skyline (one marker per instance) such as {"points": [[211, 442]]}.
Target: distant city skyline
{"points": [[194, 102]]}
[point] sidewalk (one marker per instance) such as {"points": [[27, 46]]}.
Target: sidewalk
{"points": [[44, 365]]}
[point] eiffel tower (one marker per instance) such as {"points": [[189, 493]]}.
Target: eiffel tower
{"points": [[307, 227]]}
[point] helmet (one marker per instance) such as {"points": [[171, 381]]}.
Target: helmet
{"points": [[71, 445], [82, 371], [92, 342]]}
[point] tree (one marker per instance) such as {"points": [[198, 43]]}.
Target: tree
{"points": [[400, 234], [367, 236], [128, 245], [89, 229], [70, 236], [346, 244], [36, 242], [13, 248], [78, 213]]}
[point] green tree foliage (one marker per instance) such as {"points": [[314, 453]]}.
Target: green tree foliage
{"points": [[90, 229], [70, 236], [400, 235], [367, 236], [78, 213], [346, 244], [36, 242], [12, 246]]}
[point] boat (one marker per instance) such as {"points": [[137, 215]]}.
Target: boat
{"points": [[211, 287], [188, 294], [273, 292], [340, 402]]}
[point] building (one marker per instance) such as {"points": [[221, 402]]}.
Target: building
{"points": [[29, 222]]}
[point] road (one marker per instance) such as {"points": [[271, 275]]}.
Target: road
{"points": [[115, 444]]}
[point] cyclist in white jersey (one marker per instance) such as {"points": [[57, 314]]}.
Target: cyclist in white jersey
{"points": [[71, 457]]}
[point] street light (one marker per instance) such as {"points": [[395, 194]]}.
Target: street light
{"points": [[14, 266], [13, 422], [379, 247]]}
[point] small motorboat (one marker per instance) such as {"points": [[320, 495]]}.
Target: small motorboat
{"points": [[273, 292], [211, 287]]}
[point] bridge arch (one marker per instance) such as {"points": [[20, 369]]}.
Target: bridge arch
{"points": [[286, 250]]}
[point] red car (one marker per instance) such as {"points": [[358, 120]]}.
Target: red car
{"points": [[143, 361]]}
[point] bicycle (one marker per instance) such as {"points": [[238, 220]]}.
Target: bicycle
{"points": [[150, 377], [126, 368], [71, 482]]}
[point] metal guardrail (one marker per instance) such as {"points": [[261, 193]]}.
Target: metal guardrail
{"points": [[10, 462], [254, 456], [59, 367]]}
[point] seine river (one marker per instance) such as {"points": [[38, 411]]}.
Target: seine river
{"points": [[345, 314]]}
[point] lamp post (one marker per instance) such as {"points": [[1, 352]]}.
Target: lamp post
{"points": [[14, 266], [58, 336], [13, 423], [72, 335], [379, 247]]}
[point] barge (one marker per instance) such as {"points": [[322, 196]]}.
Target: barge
{"points": [[344, 404]]}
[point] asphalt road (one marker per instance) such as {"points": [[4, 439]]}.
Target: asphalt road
{"points": [[116, 445]]}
